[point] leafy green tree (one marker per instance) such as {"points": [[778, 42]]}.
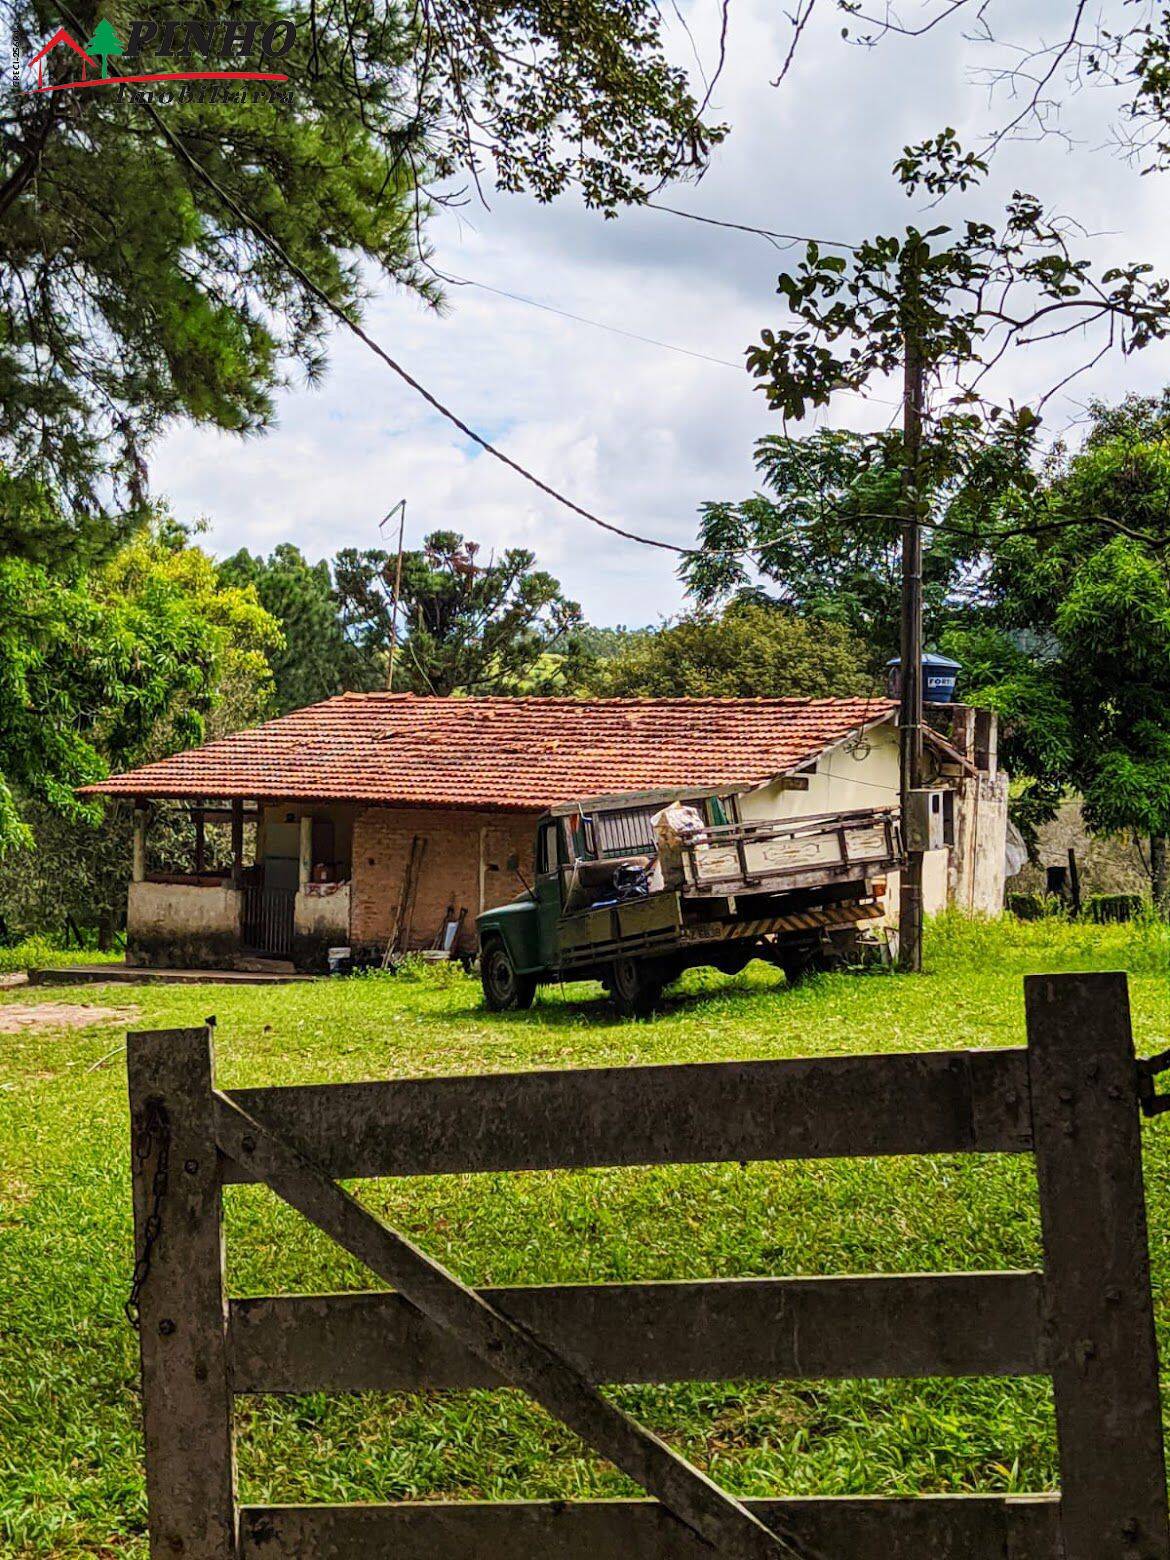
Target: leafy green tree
{"points": [[209, 240], [825, 533], [136, 659], [753, 649], [1074, 644], [602, 644], [464, 626], [84, 679], [939, 307], [316, 660]]}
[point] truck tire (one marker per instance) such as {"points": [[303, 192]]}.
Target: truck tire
{"points": [[799, 962], [634, 986], [504, 991], [734, 958]]}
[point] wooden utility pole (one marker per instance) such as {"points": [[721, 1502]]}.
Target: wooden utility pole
{"points": [[910, 711]]}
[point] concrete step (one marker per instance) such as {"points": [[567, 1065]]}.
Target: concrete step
{"points": [[137, 975]]}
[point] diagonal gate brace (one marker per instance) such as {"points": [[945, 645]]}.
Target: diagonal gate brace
{"points": [[716, 1518]]}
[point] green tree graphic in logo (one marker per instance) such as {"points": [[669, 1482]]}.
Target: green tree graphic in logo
{"points": [[105, 42]]}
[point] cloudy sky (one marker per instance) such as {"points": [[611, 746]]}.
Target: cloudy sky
{"points": [[635, 432]]}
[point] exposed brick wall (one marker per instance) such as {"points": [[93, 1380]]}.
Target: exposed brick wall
{"points": [[450, 868]]}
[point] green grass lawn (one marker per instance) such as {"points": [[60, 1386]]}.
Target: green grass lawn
{"points": [[70, 1453]]}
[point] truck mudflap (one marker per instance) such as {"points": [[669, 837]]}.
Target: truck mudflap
{"points": [[796, 921]]}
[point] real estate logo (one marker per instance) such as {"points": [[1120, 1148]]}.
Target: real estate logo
{"points": [[188, 42]]}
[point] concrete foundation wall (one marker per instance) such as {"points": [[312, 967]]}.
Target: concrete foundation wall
{"points": [[320, 922], [183, 925], [465, 864]]}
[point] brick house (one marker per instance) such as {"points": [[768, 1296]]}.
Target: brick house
{"points": [[325, 806]]}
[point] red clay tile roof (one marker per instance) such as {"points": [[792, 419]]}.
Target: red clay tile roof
{"points": [[518, 754]]}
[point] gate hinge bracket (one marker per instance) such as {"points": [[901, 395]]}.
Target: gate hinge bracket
{"points": [[1148, 1069]]}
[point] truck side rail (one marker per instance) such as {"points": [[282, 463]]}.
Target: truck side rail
{"points": [[806, 851]]}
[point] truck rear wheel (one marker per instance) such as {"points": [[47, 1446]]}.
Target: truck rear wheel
{"points": [[504, 990], [734, 958], [799, 962], [635, 985]]}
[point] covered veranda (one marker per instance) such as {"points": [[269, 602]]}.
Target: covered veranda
{"points": [[269, 881]]}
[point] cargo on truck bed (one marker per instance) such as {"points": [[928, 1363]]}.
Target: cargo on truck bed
{"points": [[633, 889]]}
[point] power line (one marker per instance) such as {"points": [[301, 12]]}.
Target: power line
{"points": [[335, 309], [786, 239], [616, 330], [374, 346]]}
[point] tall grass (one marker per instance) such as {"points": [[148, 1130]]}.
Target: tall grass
{"points": [[39, 953], [958, 941]]}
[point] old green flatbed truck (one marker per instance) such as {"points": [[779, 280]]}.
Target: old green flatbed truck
{"points": [[791, 891]]}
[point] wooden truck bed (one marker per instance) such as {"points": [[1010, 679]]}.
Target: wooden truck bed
{"points": [[635, 926], [771, 857], [744, 859]]}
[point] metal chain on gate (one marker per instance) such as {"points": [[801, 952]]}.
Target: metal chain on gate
{"points": [[153, 1132]]}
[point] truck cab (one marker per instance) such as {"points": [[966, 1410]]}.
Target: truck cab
{"points": [[521, 942]]}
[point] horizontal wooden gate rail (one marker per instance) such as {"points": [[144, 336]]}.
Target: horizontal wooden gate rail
{"points": [[1070, 1099]]}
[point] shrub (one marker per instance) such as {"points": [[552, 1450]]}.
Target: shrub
{"points": [[1103, 908], [1034, 907]]}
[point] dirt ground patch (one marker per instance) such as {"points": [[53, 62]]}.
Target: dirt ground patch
{"points": [[59, 1015]]}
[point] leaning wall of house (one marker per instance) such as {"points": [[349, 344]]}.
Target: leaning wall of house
{"points": [[464, 864], [862, 772], [183, 925], [978, 860]]}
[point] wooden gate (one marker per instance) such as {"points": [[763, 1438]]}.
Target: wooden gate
{"points": [[1070, 1099]]}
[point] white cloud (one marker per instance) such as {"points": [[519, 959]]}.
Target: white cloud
{"points": [[638, 434]]}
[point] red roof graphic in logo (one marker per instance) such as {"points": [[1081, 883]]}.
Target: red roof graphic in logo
{"points": [[60, 37]]}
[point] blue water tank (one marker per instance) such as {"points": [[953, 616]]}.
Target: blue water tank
{"points": [[939, 675]]}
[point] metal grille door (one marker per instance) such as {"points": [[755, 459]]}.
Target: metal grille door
{"points": [[268, 919]]}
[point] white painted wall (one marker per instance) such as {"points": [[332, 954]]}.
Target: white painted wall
{"points": [[841, 782], [184, 909], [868, 777]]}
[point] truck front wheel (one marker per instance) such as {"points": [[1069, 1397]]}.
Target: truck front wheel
{"points": [[503, 989], [635, 985]]}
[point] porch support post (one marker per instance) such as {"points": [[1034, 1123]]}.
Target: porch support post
{"points": [[141, 814], [200, 841], [306, 861], [237, 842]]}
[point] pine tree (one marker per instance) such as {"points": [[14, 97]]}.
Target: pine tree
{"points": [[104, 43]]}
